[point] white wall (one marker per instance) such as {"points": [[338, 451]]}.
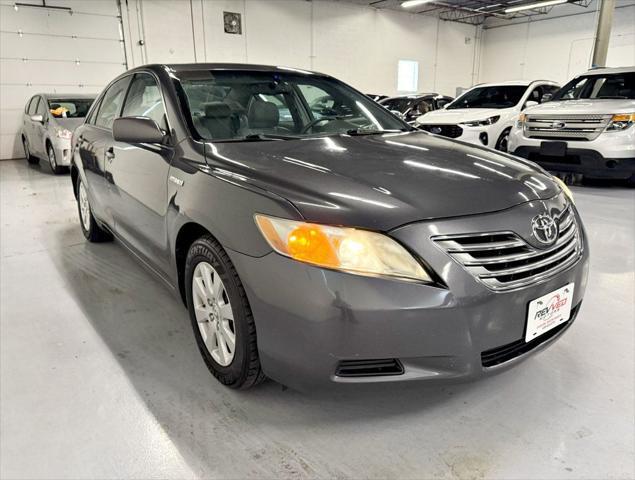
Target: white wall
{"points": [[44, 51], [357, 44], [555, 47]]}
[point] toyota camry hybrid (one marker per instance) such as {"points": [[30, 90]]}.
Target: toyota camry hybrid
{"points": [[331, 245]]}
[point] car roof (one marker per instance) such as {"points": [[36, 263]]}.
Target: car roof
{"points": [[62, 96], [520, 83], [604, 71], [414, 96], [180, 67]]}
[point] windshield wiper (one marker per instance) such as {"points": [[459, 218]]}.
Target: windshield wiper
{"points": [[257, 137], [360, 131]]}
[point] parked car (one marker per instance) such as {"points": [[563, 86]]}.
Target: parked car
{"points": [[586, 130], [47, 127], [346, 248], [375, 97], [410, 107], [485, 114]]}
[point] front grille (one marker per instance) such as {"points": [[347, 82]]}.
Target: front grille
{"points": [[565, 127], [504, 261], [368, 368], [451, 131], [498, 355]]}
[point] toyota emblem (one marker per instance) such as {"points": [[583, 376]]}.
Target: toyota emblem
{"points": [[544, 229]]}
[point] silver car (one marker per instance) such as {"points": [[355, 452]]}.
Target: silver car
{"points": [[48, 124]]}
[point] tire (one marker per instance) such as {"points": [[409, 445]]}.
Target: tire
{"points": [[206, 259], [503, 141], [55, 168], [90, 228], [27, 153]]}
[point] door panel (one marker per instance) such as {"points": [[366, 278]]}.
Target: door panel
{"points": [[39, 130], [91, 145], [139, 198]]}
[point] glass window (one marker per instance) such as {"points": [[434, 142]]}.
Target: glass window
{"points": [[69, 107], [111, 103], [497, 96], [572, 90], [41, 108], [33, 105], [407, 76], [232, 105], [608, 86], [144, 100], [93, 113]]}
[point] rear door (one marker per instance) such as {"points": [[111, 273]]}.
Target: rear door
{"points": [[93, 140], [139, 176]]}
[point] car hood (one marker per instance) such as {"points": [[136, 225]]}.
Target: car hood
{"points": [[382, 181], [458, 115], [69, 123], [572, 107]]}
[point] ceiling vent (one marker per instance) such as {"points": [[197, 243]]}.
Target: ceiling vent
{"points": [[232, 23]]}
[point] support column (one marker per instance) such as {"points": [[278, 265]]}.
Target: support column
{"points": [[603, 33]]}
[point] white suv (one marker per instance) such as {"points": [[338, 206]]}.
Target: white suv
{"points": [[486, 113], [587, 129]]}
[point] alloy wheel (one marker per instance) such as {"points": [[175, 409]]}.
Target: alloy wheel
{"points": [[214, 313], [84, 206], [52, 159]]}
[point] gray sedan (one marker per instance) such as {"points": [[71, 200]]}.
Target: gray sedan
{"points": [[47, 127], [332, 246]]}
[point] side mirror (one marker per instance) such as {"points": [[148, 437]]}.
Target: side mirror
{"points": [[546, 97], [530, 103], [137, 130], [37, 118]]}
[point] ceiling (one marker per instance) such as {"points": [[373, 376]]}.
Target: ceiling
{"points": [[473, 12]]}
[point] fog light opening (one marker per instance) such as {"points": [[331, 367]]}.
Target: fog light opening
{"points": [[483, 138], [611, 164]]}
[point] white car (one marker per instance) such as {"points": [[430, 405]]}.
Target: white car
{"points": [[486, 113], [587, 129]]}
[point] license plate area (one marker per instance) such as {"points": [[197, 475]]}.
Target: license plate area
{"points": [[553, 149], [549, 311]]}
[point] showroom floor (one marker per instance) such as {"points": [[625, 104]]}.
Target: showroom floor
{"points": [[122, 392]]}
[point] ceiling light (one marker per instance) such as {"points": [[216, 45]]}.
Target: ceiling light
{"points": [[530, 6], [414, 3]]}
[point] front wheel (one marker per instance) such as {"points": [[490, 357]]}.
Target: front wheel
{"points": [[90, 228], [503, 141], [27, 153], [221, 317], [55, 168]]}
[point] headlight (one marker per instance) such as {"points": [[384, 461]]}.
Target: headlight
{"points": [[522, 118], [621, 122], [63, 133], [355, 251], [563, 186], [481, 123]]}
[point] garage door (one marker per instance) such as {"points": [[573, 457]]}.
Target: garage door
{"points": [[77, 48]]}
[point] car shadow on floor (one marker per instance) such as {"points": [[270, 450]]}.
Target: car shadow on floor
{"points": [[149, 333]]}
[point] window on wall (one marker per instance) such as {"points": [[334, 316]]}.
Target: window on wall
{"points": [[408, 76]]}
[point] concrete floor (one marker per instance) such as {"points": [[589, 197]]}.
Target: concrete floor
{"points": [[100, 376]]}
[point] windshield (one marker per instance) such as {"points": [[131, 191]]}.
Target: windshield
{"points": [[244, 105], [610, 86], [70, 108], [399, 104], [499, 96]]}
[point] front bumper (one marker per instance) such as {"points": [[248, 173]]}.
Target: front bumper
{"points": [[484, 135], [611, 155], [309, 320], [62, 149]]}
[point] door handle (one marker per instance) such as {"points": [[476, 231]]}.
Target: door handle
{"points": [[110, 154]]}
